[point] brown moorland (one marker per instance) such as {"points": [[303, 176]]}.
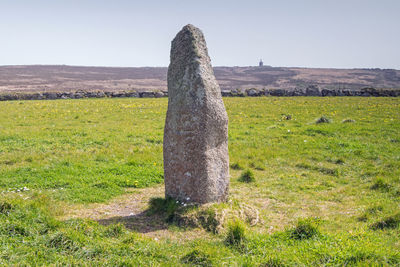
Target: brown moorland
{"points": [[62, 78]]}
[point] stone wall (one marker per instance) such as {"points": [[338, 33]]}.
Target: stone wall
{"points": [[313, 91], [252, 92]]}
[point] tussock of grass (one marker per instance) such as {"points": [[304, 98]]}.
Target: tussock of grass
{"points": [[236, 166], [339, 161], [197, 258], [235, 235], [63, 242], [363, 218], [15, 229], [247, 177], [114, 230], [257, 166], [211, 220], [359, 257], [387, 223], [305, 229], [374, 209], [5, 207], [130, 239], [380, 184], [323, 119], [273, 262], [314, 132], [324, 170], [286, 117], [370, 211]]}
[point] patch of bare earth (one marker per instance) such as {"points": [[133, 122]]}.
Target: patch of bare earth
{"points": [[270, 214], [131, 209]]}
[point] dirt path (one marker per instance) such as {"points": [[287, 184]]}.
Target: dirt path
{"points": [[134, 202], [130, 209]]}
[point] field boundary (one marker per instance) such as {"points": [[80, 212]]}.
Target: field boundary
{"points": [[252, 92]]}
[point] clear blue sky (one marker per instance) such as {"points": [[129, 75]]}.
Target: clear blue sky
{"points": [[300, 33]]}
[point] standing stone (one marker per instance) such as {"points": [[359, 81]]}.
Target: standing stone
{"points": [[196, 160]]}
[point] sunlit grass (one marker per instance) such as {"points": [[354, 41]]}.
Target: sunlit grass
{"points": [[344, 175]]}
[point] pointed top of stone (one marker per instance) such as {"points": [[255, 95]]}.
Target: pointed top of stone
{"points": [[189, 44], [190, 27]]}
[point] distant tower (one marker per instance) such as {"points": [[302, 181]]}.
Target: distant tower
{"points": [[261, 63]]}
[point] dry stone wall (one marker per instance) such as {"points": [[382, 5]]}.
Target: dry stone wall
{"points": [[252, 92]]}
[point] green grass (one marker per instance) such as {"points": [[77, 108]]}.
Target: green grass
{"points": [[236, 235], [81, 151], [346, 176], [247, 176]]}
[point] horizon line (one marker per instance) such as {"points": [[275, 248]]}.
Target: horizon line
{"points": [[217, 66]]}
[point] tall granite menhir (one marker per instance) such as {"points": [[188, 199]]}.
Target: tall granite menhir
{"points": [[196, 161]]}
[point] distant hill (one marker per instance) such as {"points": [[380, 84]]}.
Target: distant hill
{"points": [[72, 78]]}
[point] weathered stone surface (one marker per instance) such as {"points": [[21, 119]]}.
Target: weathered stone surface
{"points": [[196, 163], [313, 90], [253, 92]]}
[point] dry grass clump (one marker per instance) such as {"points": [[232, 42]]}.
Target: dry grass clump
{"points": [[214, 217], [211, 217]]}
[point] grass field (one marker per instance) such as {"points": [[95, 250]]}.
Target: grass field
{"points": [[326, 193]]}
